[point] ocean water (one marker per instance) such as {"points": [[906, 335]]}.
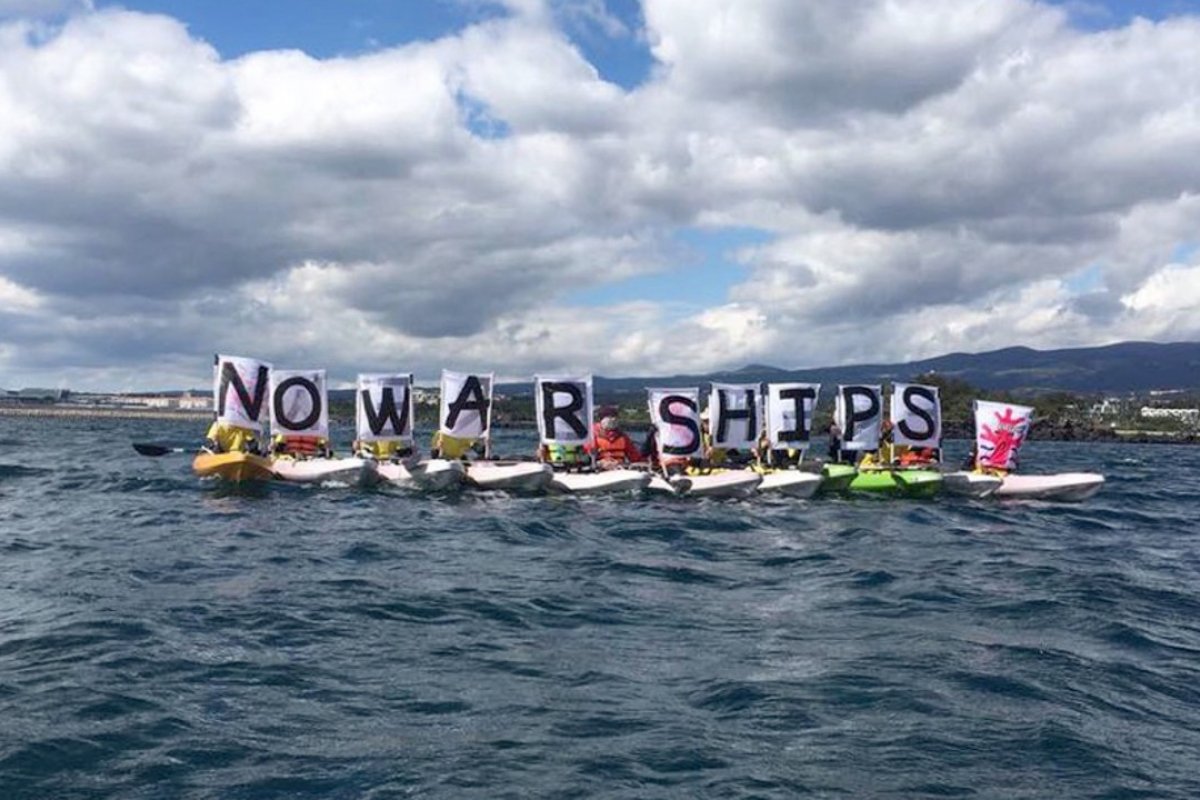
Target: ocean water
{"points": [[165, 638]]}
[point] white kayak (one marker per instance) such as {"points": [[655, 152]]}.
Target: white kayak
{"points": [[348, 471], [1070, 486], [970, 484], [431, 475], [677, 485], [791, 482], [611, 480], [519, 476], [731, 483]]}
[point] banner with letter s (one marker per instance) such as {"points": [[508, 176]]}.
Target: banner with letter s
{"points": [[564, 409], [858, 411], [466, 405], [675, 414], [240, 388], [735, 418], [1000, 430], [916, 415], [299, 403], [383, 408]]}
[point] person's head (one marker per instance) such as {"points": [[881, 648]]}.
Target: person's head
{"points": [[609, 424]]}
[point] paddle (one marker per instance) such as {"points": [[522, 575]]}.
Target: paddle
{"points": [[155, 450]]}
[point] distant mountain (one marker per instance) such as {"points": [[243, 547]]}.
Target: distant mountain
{"points": [[1115, 368]]}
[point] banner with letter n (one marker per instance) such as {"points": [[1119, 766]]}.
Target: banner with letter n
{"points": [[675, 414], [790, 409], [1000, 430], [466, 405], [383, 408], [734, 415], [564, 409], [858, 411], [299, 403], [916, 415], [240, 387]]}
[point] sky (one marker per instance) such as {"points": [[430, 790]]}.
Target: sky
{"points": [[606, 186]]}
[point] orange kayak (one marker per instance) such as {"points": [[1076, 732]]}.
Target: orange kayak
{"points": [[235, 467]]}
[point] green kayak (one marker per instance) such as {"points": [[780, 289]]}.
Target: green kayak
{"points": [[904, 482], [836, 477]]}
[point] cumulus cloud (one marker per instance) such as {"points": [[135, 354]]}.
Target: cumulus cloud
{"points": [[941, 169]]}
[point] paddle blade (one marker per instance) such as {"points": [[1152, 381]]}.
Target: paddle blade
{"points": [[147, 449]]}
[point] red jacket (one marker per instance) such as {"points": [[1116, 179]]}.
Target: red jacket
{"points": [[615, 445]]}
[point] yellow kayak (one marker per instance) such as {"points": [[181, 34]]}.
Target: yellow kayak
{"points": [[236, 467]]}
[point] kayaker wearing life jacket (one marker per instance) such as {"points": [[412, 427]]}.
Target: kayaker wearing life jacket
{"points": [[454, 447], [612, 446], [718, 456], [382, 450], [225, 438], [301, 446]]}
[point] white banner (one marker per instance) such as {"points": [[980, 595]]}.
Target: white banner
{"points": [[466, 408], [383, 408], [240, 388], [675, 414], [299, 403], [564, 409], [916, 415], [1000, 430], [735, 419], [858, 411], [789, 414]]}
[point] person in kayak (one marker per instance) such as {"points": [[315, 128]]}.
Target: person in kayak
{"points": [[836, 454], [383, 450], [301, 446], [225, 438], [611, 446], [455, 447], [719, 456]]}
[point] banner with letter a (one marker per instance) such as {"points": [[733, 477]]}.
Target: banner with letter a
{"points": [[564, 409], [1000, 430], [858, 411], [466, 407], [735, 418], [299, 403], [240, 388], [916, 415], [789, 414], [675, 414], [383, 408]]}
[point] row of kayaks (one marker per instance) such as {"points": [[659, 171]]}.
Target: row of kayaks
{"points": [[526, 476]]}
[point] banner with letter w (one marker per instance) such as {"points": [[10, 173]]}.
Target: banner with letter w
{"points": [[383, 408], [466, 405], [240, 390], [675, 414], [564, 409], [916, 415], [299, 403]]}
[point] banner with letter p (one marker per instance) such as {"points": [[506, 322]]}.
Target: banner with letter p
{"points": [[383, 408], [240, 388], [858, 411], [564, 409], [466, 405], [789, 414], [675, 414], [1000, 430], [735, 418], [916, 415], [299, 403]]}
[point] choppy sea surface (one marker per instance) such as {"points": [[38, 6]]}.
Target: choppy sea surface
{"points": [[161, 637]]}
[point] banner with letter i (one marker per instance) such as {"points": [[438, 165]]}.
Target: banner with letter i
{"points": [[858, 411], [466, 405], [789, 414], [675, 414], [383, 408], [564, 409], [916, 415], [240, 390], [299, 403], [1000, 430]]}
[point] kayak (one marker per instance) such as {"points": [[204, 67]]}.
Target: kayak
{"points": [[906, 482], [1072, 486], [351, 471], [677, 485], [235, 467], [729, 483], [519, 476], [792, 482], [432, 474], [836, 478], [612, 480], [970, 484]]}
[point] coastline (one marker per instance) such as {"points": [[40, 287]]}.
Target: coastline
{"points": [[84, 412]]}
